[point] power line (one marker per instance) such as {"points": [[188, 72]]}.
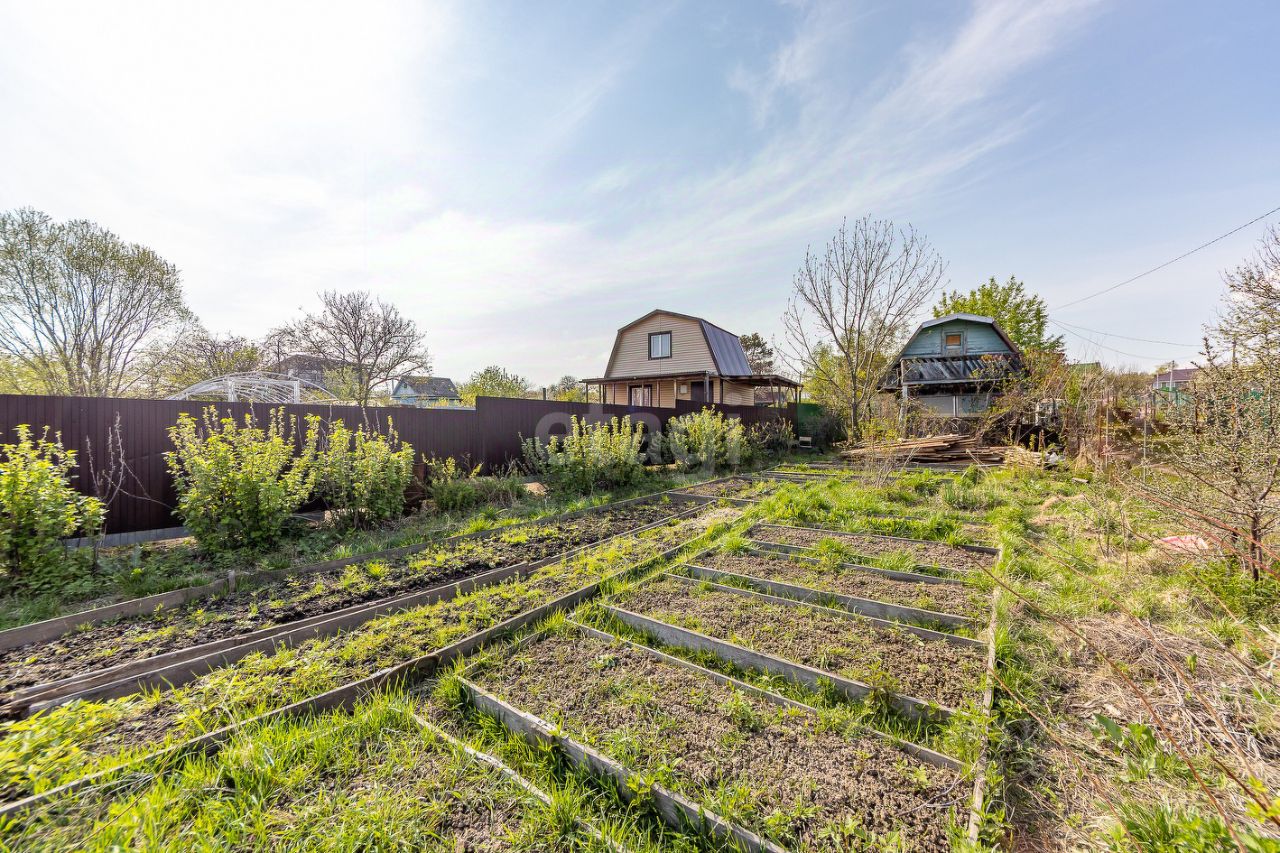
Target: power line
{"points": [[1104, 346], [1168, 263], [1123, 337]]}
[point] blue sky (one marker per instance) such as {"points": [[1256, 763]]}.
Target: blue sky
{"points": [[523, 178]]}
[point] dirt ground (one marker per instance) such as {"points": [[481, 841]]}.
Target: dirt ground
{"points": [[653, 715], [895, 660], [956, 599]]}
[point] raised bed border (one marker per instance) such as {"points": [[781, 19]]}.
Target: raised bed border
{"points": [[974, 828], [887, 624], [800, 552], [798, 673], [674, 809], [347, 695], [182, 665], [868, 607], [758, 476], [51, 629], [923, 753], [976, 549]]}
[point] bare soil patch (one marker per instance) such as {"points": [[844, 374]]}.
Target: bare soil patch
{"points": [[940, 598], [927, 553], [803, 784], [734, 487], [887, 658]]}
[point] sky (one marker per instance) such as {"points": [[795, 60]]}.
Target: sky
{"points": [[523, 178]]}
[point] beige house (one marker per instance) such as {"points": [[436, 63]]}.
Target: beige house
{"points": [[665, 356]]}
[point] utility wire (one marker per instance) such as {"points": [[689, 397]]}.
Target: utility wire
{"points": [[1167, 263], [1123, 337], [1104, 346]]}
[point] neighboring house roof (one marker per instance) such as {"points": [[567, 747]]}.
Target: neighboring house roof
{"points": [[426, 386], [1177, 374], [726, 351]]}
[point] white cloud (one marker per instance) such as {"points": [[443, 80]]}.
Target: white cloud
{"points": [[273, 150]]}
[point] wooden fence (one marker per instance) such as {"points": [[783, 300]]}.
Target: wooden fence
{"points": [[490, 434]]}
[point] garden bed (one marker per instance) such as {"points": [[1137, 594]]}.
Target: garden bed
{"points": [[732, 487], [958, 599], [373, 778], [775, 770], [879, 548], [889, 659], [72, 741], [309, 594]]}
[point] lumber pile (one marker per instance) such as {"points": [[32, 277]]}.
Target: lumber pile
{"points": [[954, 448]]}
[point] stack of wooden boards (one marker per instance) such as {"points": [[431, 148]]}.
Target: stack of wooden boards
{"points": [[955, 448]]}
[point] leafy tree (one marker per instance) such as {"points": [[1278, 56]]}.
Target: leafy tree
{"points": [[759, 353], [196, 354], [371, 339], [493, 381], [1022, 315], [79, 307], [567, 389]]}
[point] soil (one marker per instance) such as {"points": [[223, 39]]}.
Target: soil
{"points": [[261, 682], [306, 595], [735, 487], [702, 738], [887, 658], [926, 553], [956, 599]]}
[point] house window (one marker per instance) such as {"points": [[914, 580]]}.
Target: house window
{"points": [[952, 342], [660, 345], [641, 395]]}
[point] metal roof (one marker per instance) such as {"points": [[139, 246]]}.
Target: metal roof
{"points": [[726, 350]]}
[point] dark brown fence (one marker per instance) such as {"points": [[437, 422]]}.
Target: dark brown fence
{"points": [[489, 434]]}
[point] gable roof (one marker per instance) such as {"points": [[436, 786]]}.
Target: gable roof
{"points": [[427, 386], [726, 350]]}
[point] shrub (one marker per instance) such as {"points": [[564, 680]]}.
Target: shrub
{"points": [[38, 508], [237, 485], [363, 475], [451, 486], [590, 456], [707, 439], [771, 438]]}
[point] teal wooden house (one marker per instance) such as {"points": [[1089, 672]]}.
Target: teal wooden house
{"points": [[952, 366]]}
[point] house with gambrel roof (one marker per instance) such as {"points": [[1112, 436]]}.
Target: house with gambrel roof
{"points": [[666, 356], [952, 366]]}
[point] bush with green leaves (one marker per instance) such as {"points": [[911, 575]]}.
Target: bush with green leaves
{"points": [[362, 474], [589, 456], [707, 440], [452, 486], [238, 483], [38, 508]]}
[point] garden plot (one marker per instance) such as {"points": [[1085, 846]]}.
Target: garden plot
{"points": [[75, 740], [846, 580], [375, 779], [740, 488], [780, 770], [302, 596], [891, 660], [881, 549]]}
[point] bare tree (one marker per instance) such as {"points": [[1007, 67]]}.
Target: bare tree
{"points": [[79, 306], [851, 307], [1224, 439], [196, 354], [368, 341]]}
